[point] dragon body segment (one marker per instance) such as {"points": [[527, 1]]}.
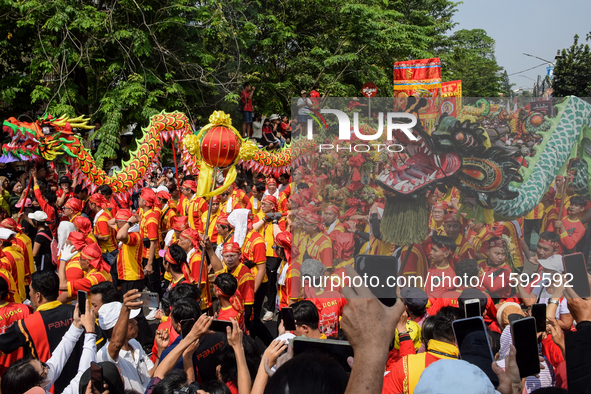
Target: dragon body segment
{"points": [[52, 138]]}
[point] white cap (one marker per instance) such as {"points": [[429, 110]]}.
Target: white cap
{"points": [[6, 233], [39, 216], [553, 263], [109, 314], [274, 117], [162, 188]]}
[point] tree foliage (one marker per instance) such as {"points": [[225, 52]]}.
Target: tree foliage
{"points": [[470, 56], [572, 73], [122, 61]]}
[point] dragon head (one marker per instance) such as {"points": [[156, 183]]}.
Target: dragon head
{"points": [[48, 137], [456, 154]]}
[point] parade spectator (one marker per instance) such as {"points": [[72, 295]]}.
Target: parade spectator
{"points": [[246, 108]]}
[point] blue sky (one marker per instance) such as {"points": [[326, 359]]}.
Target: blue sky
{"points": [[537, 27]]}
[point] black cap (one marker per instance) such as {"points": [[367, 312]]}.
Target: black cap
{"points": [[414, 298], [65, 179]]}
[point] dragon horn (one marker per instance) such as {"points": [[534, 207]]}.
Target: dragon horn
{"points": [[80, 122]]}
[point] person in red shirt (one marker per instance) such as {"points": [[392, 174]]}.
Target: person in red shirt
{"points": [[440, 275], [231, 303], [329, 303], [175, 263], [233, 264], [10, 312], [46, 199], [189, 240], [24, 242], [65, 191], [72, 209], [95, 269], [246, 105], [495, 269], [480, 239], [570, 229]]}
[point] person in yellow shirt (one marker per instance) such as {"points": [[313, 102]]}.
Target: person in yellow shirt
{"points": [[212, 231], [257, 196]]}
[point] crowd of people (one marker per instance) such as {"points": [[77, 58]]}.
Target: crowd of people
{"points": [[244, 255]]}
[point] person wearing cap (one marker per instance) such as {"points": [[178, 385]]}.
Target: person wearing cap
{"points": [[24, 243], [495, 268], [438, 212], [40, 333], [441, 274], [316, 245], [104, 234], [130, 274], [95, 270], [272, 190], [232, 263], [452, 225], [480, 239], [189, 240], [46, 200], [513, 230], [168, 211], [150, 236], [11, 312], [175, 263], [216, 214], [550, 211], [65, 192], [415, 300], [117, 320], [12, 255], [234, 198]]}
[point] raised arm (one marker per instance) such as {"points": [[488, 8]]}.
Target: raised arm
{"points": [[119, 336]]}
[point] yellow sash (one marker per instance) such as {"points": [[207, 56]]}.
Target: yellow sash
{"points": [[414, 364]]}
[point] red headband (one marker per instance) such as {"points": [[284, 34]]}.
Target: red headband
{"points": [[10, 224], [223, 220], [235, 300], [451, 218], [123, 214], [271, 199], [74, 204], [190, 185], [180, 223], [334, 209], [93, 254], [78, 240], [499, 243], [184, 266], [271, 181], [82, 224], [554, 245], [150, 197], [163, 195], [191, 235], [231, 247], [440, 205], [99, 200], [283, 240]]}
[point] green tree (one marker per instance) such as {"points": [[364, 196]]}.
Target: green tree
{"points": [[470, 56], [507, 86], [572, 73]]}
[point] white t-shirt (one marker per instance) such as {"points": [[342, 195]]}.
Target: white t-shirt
{"points": [[561, 309], [134, 368], [304, 110]]}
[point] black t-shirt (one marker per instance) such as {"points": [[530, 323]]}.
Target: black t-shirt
{"points": [[43, 257]]}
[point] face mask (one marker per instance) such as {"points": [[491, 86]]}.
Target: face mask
{"points": [[170, 175]]}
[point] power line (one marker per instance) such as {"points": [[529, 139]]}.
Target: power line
{"points": [[519, 72]]}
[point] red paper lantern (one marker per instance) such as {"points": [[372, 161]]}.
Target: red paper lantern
{"points": [[220, 147]]}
